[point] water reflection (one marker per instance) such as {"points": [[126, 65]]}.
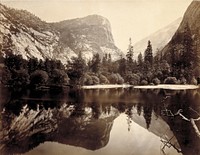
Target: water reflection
{"points": [[101, 120]]}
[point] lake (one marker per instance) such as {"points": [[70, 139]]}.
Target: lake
{"points": [[122, 121]]}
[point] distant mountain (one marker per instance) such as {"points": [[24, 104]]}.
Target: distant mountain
{"points": [[158, 39], [23, 33], [190, 19], [91, 34]]}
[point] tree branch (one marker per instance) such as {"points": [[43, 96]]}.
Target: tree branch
{"points": [[192, 120], [195, 126]]}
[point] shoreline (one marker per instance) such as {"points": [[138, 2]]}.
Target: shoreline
{"points": [[161, 86]]}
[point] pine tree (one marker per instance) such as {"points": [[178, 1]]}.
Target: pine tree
{"points": [[148, 55], [105, 59], [122, 66], [129, 57], [76, 69], [96, 63], [140, 59], [188, 56], [109, 58]]}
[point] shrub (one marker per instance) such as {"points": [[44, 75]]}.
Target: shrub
{"points": [[87, 80], [133, 79], [193, 81], [6, 75], [120, 79], [170, 80], [144, 82], [113, 78], [90, 80], [19, 79], [58, 77], [183, 80], [95, 80], [39, 77], [116, 78], [103, 79], [156, 81]]}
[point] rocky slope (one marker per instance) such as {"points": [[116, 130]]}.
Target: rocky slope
{"points": [[190, 19], [159, 39], [90, 35], [23, 33]]}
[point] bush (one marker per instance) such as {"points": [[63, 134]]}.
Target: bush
{"points": [[144, 82], [91, 80], [193, 81], [120, 79], [113, 78], [19, 79], [6, 75], [39, 77], [59, 77], [170, 80], [116, 79], [183, 80], [133, 79], [95, 80], [103, 79], [156, 81], [87, 80]]}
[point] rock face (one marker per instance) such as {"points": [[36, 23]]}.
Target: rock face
{"points": [[191, 19], [158, 39], [91, 34], [25, 34]]}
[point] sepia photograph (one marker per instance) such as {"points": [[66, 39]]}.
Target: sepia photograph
{"points": [[100, 77]]}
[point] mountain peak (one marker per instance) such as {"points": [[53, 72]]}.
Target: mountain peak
{"points": [[27, 35], [159, 38], [90, 20], [93, 32]]}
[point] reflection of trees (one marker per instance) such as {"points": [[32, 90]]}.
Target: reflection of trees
{"points": [[84, 118], [96, 109], [185, 124], [181, 112], [139, 109], [129, 114], [147, 112], [24, 126]]}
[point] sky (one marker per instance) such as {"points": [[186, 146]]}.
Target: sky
{"points": [[129, 18]]}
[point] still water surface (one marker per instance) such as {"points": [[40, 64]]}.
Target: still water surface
{"points": [[100, 122]]}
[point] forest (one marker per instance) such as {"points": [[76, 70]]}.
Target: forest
{"points": [[179, 65]]}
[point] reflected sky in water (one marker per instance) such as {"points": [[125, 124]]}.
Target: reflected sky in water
{"points": [[137, 141], [110, 122]]}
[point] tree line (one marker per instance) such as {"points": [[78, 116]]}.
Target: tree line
{"points": [[180, 66]]}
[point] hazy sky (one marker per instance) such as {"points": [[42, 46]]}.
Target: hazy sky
{"points": [[129, 18]]}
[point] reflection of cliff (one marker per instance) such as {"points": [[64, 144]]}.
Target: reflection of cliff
{"points": [[91, 135], [85, 118], [70, 124], [158, 115]]}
